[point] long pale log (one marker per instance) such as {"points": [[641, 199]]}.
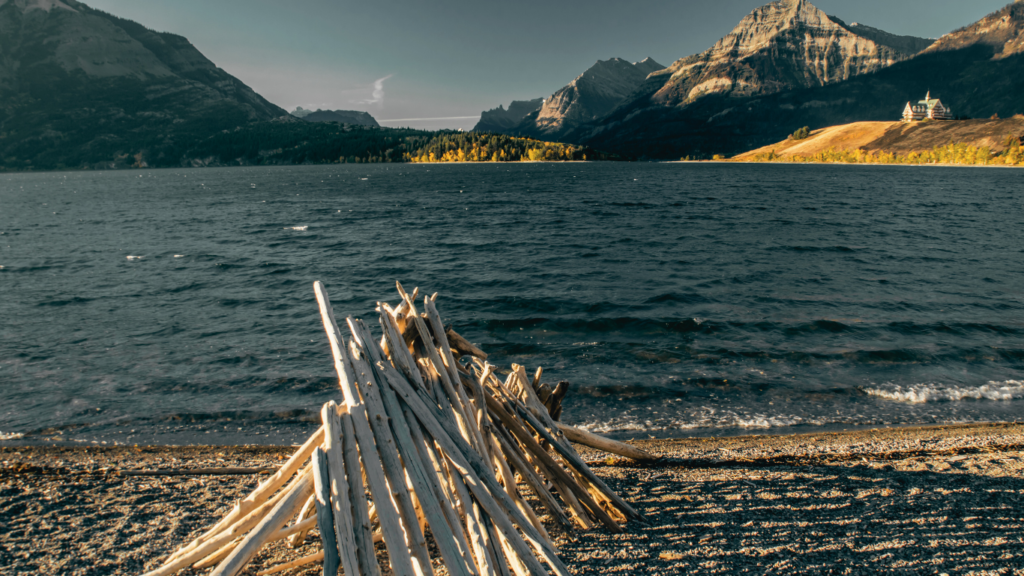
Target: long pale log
{"points": [[535, 482], [262, 493], [212, 560], [477, 473], [340, 502], [574, 460], [308, 510], [431, 462], [381, 399], [362, 515], [553, 470], [477, 529], [215, 544], [387, 447], [391, 527], [285, 509], [461, 409], [305, 560], [586, 438], [324, 513]]}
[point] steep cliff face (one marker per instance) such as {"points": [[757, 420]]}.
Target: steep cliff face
{"points": [[783, 45], [82, 87], [591, 95], [499, 120]]}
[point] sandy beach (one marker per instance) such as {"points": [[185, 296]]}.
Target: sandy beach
{"points": [[936, 500]]}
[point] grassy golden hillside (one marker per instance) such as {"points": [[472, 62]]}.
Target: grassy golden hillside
{"points": [[896, 138]]}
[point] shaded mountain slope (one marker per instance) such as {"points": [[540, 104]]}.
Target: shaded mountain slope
{"points": [[499, 120], [588, 97], [79, 87]]}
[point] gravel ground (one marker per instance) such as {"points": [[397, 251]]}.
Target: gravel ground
{"points": [[942, 500]]}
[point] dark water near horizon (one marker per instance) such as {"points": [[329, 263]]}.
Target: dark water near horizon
{"points": [[678, 299]]}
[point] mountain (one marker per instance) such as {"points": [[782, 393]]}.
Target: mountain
{"points": [[977, 71], [782, 46], [498, 120], [591, 95], [339, 116], [80, 87]]}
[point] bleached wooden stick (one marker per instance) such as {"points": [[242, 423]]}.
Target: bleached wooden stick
{"points": [[362, 515], [381, 399], [391, 526], [474, 527], [285, 509], [580, 436], [478, 475], [324, 511], [259, 496], [574, 460], [339, 501], [299, 536], [221, 554], [432, 465], [387, 448], [552, 470], [224, 538], [315, 557]]}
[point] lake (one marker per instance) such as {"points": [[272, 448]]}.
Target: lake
{"points": [[176, 306]]}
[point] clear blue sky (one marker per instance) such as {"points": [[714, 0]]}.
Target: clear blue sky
{"points": [[453, 58]]}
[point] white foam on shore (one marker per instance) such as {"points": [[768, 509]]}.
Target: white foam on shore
{"points": [[299, 228], [708, 418], [923, 393], [11, 436]]}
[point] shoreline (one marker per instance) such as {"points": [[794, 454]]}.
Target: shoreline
{"points": [[921, 499]]}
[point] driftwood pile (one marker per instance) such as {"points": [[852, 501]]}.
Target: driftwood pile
{"points": [[421, 445]]}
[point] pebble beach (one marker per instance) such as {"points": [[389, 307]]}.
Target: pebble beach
{"points": [[933, 500]]}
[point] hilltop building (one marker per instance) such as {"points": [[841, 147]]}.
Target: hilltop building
{"points": [[930, 108]]}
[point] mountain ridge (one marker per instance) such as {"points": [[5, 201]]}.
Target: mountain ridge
{"points": [[978, 71], [81, 87]]}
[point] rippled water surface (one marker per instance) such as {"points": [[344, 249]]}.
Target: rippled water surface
{"points": [[176, 306]]}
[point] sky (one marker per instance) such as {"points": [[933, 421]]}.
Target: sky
{"points": [[438, 63]]}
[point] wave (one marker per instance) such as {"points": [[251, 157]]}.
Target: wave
{"points": [[924, 393], [705, 418], [297, 228], [10, 436]]}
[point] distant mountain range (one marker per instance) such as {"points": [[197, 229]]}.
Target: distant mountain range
{"points": [[588, 97], [759, 96], [498, 120], [340, 116], [80, 87]]}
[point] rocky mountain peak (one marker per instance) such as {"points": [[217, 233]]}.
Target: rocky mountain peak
{"points": [[1003, 30], [782, 45], [648, 65]]}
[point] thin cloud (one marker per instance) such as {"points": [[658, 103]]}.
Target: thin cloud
{"points": [[378, 91]]}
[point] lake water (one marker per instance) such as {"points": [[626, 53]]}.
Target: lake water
{"points": [[176, 306]]}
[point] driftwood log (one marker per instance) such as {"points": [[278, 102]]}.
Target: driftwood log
{"points": [[421, 445]]}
